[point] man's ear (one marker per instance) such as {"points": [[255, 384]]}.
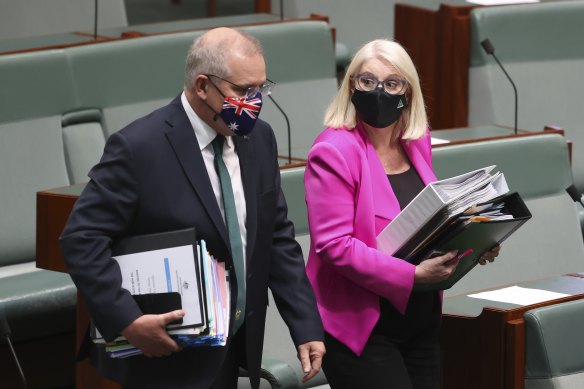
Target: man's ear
{"points": [[200, 86]]}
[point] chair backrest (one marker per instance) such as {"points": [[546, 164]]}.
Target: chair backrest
{"points": [[541, 48], [538, 168], [554, 346], [126, 79], [293, 188], [36, 88]]}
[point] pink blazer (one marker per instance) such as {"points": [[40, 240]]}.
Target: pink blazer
{"points": [[350, 201]]}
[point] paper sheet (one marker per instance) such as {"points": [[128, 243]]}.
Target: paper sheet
{"points": [[500, 2], [164, 270], [518, 295], [438, 141]]}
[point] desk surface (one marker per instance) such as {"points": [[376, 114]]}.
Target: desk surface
{"points": [[472, 307], [190, 24], [472, 133], [435, 4]]}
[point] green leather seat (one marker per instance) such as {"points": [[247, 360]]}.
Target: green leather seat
{"points": [[36, 88], [554, 346]]}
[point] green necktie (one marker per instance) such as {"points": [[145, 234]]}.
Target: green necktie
{"points": [[233, 229]]}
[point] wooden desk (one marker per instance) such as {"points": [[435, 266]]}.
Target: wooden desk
{"points": [[438, 40], [483, 342]]}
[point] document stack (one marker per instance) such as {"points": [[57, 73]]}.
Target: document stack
{"points": [[170, 271], [469, 213]]}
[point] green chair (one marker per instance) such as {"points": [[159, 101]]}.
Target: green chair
{"points": [[554, 346]]}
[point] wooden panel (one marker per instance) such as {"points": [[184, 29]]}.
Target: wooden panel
{"points": [[416, 29], [452, 63], [53, 210], [262, 6], [515, 354], [438, 42]]}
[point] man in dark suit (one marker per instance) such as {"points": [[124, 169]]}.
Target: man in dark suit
{"points": [[161, 173]]}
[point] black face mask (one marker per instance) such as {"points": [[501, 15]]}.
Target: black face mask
{"points": [[378, 108]]}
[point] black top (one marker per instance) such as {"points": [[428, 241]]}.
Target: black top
{"points": [[406, 186]]}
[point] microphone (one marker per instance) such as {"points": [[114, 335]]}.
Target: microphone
{"points": [[95, 20], [5, 333], [490, 50], [287, 127], [575, 194], [281, 9]]}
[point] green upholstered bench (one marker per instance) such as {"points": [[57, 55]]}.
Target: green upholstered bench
{"points": [[541, 48], [554, 346], [35, 90], [111, 77], [38, 305], [538, 168]]}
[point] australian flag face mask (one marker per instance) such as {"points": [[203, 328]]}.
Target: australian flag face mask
{"points": [[241, 113]]}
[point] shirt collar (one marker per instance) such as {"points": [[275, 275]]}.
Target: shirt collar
{"points": [[204, 133]]}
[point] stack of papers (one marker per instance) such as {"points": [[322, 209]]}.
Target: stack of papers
{"points": [[469, 214], [437, 203], [189, 270]]}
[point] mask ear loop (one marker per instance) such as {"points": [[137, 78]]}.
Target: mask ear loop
{"points": [[216, 116]]}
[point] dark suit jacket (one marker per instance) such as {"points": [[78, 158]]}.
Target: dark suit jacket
{"points": [[152, 178]]}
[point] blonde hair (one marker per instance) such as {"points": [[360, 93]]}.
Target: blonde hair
{"points": [[413, 121]]}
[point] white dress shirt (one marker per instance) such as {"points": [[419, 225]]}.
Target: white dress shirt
{"points": [[206, 135]]}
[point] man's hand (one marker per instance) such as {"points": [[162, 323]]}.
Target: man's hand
{"points": [[310, 355], [148, 333], [436, 269]]}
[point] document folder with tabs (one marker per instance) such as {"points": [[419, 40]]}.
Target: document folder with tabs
{"points": [[472, 235], [159, 266], [168, 271], [470, 213]]}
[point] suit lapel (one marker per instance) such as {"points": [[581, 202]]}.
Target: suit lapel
{"points": [[182, 139], [244, 148], [424, 170], [385, 204]]}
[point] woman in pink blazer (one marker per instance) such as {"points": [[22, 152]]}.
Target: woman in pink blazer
{"points": [[373, 158]]}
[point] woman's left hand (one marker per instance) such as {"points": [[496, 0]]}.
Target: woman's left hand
{"points": [[490, 255]]}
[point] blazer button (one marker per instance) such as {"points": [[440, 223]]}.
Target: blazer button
{"points": [[249, 314], [249, 276]]}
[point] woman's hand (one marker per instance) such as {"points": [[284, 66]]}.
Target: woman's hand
{"points": [[436, 269], [490, 255]]}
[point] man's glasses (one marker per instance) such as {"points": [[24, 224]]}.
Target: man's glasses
{"points": [[265, 89], [392, 85]]}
